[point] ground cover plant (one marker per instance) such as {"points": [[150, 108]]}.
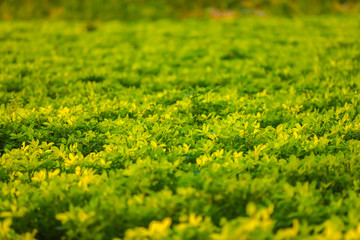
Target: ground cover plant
{"points": [[239, 129], [174, 9]]}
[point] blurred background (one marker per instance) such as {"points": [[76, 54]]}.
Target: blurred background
{"points": [[177, 9]]}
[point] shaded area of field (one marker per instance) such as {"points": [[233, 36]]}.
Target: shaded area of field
{"points": [[202, 129]]}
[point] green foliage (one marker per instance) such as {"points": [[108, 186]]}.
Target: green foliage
{"points": [[237, 129], [176, 9]]}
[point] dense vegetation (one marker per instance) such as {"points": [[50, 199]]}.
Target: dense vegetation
{"points": [[239, 129], [155, 9]]}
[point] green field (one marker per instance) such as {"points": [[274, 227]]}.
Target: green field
{"points": [[199, 129], [130, 10]]}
